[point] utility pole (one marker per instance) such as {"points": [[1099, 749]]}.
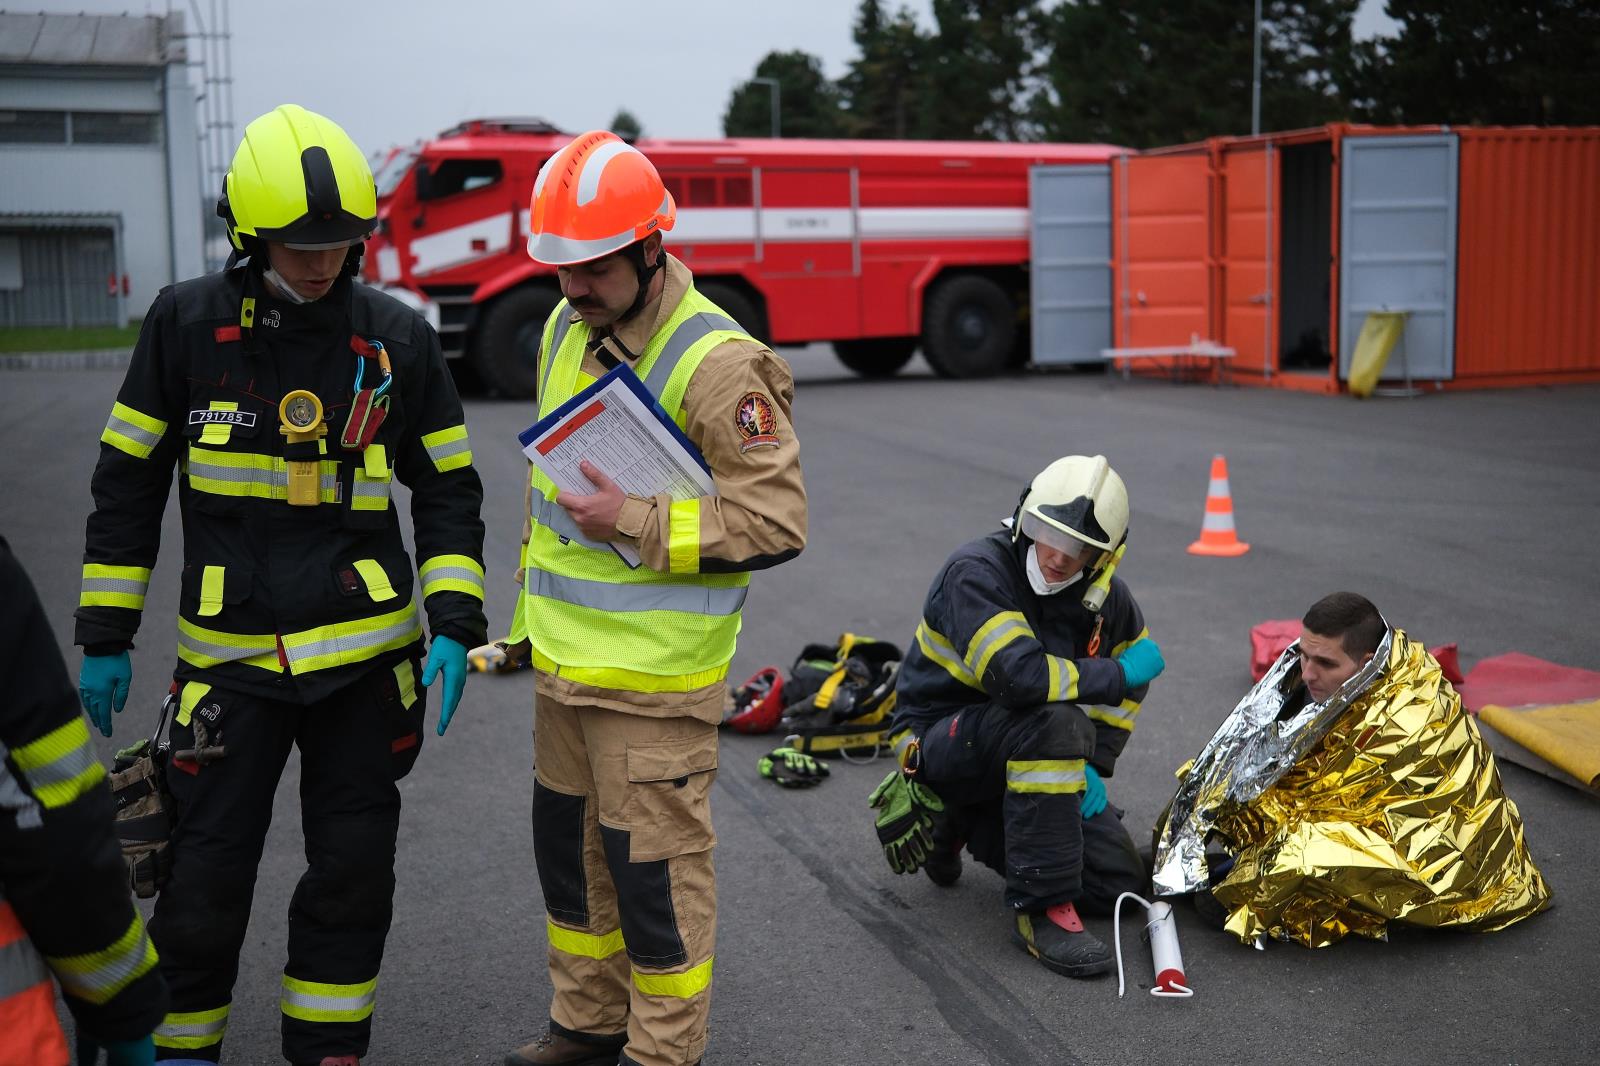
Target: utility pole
{"points": [[1255, 75], [772, 83]]}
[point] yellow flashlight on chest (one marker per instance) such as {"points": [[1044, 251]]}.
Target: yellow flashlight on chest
{"points": [[301, 414]]}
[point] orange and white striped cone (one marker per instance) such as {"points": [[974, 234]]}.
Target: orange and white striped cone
{"points": [[1217, 536]]}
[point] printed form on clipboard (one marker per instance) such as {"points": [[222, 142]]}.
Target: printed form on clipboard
{"points": [[619, 427]]}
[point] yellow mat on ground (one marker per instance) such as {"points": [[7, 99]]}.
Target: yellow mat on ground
{"points": [[1566, 735]]}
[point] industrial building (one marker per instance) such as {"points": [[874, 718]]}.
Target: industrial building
{"points": [[100, 175]]}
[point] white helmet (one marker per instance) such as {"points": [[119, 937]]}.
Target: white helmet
{"points": [[1077, 505]]}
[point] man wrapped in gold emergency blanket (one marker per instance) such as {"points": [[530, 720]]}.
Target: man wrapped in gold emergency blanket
{"points": [[1381, 803]]}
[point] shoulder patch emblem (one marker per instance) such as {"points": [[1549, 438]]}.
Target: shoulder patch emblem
{"points": [[756, 422]]}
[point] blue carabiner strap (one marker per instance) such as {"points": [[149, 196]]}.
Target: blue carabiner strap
{"points": [[361, 366]]}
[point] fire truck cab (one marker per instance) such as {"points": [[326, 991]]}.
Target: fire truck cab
{"points": [[877, 247]]}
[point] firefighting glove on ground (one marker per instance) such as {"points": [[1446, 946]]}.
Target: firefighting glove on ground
{"points": [[450, 657], [103, 687], [139, 1052], [1094, 796], [1141, 662], [792, 769], [905, 821]]}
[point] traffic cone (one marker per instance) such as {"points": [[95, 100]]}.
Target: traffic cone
{"points": [[1217, 536]]}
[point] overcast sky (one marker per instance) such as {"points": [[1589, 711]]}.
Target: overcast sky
{"points": [[391, 72]]}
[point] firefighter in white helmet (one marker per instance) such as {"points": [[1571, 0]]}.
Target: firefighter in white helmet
{"points": [[630, 664], [1016, 698]]}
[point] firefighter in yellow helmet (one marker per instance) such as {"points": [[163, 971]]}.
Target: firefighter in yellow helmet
{"points": [[1013, 704], [289, 397], [630, 664]]}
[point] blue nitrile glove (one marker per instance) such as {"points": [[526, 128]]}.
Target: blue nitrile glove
{"points": [[140, 1052], [1141, 662], [1094, 796], [103, 687], [450, 657]]}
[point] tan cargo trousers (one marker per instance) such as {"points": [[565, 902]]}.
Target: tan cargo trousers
{"points": [[622, 837]]}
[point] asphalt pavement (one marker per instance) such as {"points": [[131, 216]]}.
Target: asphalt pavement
{"points": [[1467, 517]]}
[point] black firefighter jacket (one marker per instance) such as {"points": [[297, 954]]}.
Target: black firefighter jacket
{"points": [[287, 602], [61, 869], [987, 637]]}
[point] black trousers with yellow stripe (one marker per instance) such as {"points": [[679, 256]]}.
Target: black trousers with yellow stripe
{"points": [[1012, 780], [354, 745]]}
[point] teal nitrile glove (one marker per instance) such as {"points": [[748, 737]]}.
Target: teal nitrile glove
{"points": [[1094, 796], [1141, 662], [103, 687], [450, 657], [139, 1052], [905, 821]]}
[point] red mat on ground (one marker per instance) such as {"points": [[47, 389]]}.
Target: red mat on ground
{"points": [[1517, 680], [1268, 639]]}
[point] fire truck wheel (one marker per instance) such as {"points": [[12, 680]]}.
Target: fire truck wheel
{"points": [[507, 347], [740, 307], [968, 327], [876, 357]]}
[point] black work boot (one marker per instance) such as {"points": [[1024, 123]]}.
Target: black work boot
{"points": [[557, 1049], [1057, 938], [943, 865]]}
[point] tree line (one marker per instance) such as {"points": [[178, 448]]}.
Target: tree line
{"points": [[1144, 73]]}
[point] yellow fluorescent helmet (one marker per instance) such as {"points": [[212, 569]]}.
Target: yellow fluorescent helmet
{"points": [[1077, 505], [299, 179]]}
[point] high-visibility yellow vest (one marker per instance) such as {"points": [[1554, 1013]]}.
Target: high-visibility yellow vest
{"points": [[591, 618]]}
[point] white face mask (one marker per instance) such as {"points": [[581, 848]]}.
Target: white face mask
{"points": [[1036, 576]]}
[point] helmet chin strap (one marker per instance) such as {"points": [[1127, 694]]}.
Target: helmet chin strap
{"points": [[635, 254]]}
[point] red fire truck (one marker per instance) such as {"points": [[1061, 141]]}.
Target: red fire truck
{"points": [[875, 246]]}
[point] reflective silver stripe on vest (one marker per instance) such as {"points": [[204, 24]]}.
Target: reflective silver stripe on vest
{"points": [[227, 653], [377, 490], [558, 521], [563, 324], [604, 596], [349, 642], [21, 967], [276, 481], [694, 328]]}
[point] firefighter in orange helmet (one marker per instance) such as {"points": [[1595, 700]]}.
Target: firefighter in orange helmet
{"points": [[630, 664]]}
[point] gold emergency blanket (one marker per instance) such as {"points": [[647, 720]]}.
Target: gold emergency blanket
{"points": [[1394, 812]]}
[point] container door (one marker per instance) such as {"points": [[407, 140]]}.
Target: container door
{"points": [[1250, 208], [1397, 225], [1070, 257], [1163, 238]]}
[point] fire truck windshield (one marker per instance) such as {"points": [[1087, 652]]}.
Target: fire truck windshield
{"points": [[388, 174]]}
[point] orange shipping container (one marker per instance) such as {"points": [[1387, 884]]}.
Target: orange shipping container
{"points": [[1528, 276], [1488, 240]]}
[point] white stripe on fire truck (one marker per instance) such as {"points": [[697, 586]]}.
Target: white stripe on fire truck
{"points": [[451, 246]]}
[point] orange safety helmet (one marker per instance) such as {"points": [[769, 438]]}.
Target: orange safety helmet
{"points": [[596, 196]]}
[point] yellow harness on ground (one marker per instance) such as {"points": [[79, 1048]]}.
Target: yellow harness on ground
{"points": [[848, 711]]}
